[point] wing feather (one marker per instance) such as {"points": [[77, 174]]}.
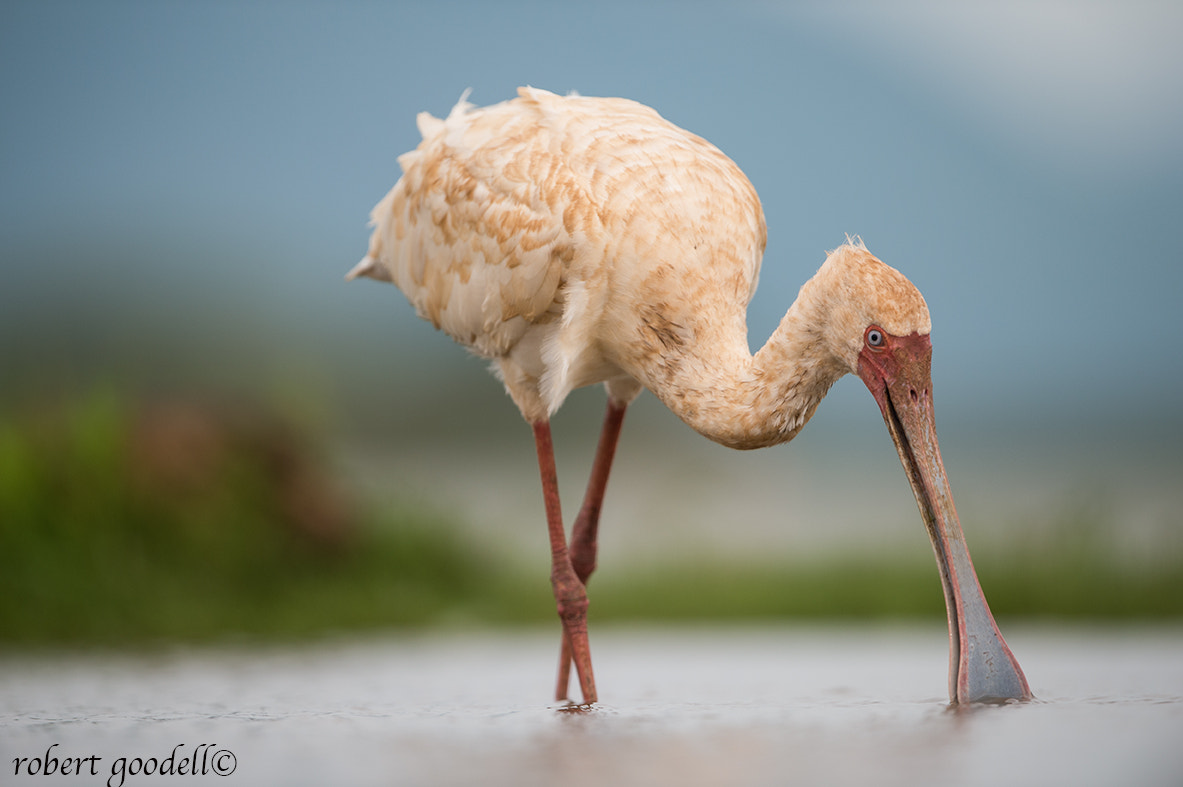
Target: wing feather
{"points": [[465, 234]]}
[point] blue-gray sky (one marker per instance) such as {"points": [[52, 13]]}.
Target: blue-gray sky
{"points": [[182, 185]]}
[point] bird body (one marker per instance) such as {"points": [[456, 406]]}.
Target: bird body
{"points": [[515, 227], [575, 240]]}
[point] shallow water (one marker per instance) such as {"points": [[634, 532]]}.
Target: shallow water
{"points": [[681, 706]]}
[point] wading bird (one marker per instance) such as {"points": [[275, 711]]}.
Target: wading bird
{"points": [[575, 240]]}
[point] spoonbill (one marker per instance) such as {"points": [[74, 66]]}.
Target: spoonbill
{"points": [[574, 240]]}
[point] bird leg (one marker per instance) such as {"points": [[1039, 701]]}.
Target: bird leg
{"points": [[584, 531], [570, 593]]}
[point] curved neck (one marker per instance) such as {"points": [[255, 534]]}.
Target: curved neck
{"points": [[752, 401]]}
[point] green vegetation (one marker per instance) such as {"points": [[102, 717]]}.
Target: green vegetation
{"points": [[1082, 587], [186, 522], [123, 525]]}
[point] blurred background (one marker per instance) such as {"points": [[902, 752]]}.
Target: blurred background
{"points": [[204, 431]]}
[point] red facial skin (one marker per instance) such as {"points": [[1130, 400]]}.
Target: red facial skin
{"points": [[897, 371]]}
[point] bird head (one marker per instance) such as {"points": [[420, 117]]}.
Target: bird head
{"points": [[856, 291]]}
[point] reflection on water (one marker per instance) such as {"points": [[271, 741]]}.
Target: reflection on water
{"points": [[687, 706]]}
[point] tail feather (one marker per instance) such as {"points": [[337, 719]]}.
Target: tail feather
{"points": [[370, 269]]}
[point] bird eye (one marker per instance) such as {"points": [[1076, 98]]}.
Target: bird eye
{"points": [[874, 337]]}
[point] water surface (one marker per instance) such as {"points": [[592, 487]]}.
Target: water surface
{"points": [[688, 706]]}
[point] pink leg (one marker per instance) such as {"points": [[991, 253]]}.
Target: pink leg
{"points": [[583, 535], [570, 594]]}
